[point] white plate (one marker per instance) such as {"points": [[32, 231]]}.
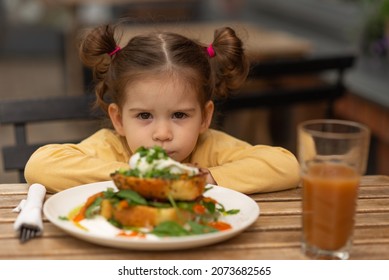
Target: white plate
{"points": [[62, 203]]}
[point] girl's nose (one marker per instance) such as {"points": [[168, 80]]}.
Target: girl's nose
{"points": [[162, 132]]}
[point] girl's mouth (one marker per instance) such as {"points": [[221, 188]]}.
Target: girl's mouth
{"points": [[170, 154]]}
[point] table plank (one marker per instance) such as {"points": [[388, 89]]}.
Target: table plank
{"points": [[368, 189], [62, 246], [359, 252], [276, 208], [70, 248], [13, 189], [369, 252], [375, 180], [381, 191], [11, 201], [68, 245]]}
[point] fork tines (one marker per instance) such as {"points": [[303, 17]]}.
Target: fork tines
{"points": [[27, 232]]}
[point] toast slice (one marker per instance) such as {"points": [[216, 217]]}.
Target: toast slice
{"points": [[185, 188], [149, 217]]}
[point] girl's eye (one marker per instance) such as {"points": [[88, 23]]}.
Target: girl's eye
{"points": [[179, 115], [144, 116]]}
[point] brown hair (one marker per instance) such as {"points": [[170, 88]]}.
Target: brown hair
{"points": [[161, 52]]}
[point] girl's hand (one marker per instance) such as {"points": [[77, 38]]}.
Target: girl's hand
{"points": [[209, 179]]}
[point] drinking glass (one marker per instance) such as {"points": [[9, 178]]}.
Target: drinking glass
{"points": [[333, 157]]}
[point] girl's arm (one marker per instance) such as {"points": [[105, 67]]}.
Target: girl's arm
{"points": [[61, 166], [249, 169]]}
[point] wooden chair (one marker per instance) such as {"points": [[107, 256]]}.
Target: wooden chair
{"points": [[20, 113]]}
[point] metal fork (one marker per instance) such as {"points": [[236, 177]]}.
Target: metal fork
{"points": [[28, 232]]}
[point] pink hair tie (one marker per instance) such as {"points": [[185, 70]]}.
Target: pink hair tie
{"points": [[115, 51], [211, 51]]}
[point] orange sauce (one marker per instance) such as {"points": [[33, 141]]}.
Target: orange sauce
{"points": [[199, 209], [329, 200], [220, 225], [132, 234]]}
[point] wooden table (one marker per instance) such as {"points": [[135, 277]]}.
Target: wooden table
{"points": [[275, 235]]}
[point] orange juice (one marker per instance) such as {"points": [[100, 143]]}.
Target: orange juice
{"points": [[329, 200]]}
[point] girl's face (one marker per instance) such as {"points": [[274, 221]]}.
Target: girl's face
{"points": [[161, 111]]}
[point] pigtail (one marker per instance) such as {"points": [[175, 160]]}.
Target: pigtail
{"points": [[229, 64], [97, 51]]}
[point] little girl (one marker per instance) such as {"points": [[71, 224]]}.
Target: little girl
{"points": [[158, 90]]}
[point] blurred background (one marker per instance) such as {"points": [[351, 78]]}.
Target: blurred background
{"points": [[38, 58]]}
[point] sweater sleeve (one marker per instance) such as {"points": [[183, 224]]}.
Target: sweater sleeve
{"points": [[249, 169], [62, 166]]}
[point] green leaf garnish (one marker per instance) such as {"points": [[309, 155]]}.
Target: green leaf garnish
{"points": [[210, 206], [152, 154], [225, 212], [94, 208], [158, 204], [232, 212], [196, 228], [132, 197], [185, 205], [109, 193], [169, 228], [115, 223]]}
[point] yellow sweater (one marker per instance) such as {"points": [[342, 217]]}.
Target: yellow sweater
{"points": [[233, 163]]}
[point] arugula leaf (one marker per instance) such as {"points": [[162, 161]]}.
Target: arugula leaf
{"points": [[225, 212], [210, 206], [171, 200], [132, 197], [185, 205], [232, 212], [197, 228], [158, 204], [169, 228], [94, 208], [115, 223], [109, 193]]}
